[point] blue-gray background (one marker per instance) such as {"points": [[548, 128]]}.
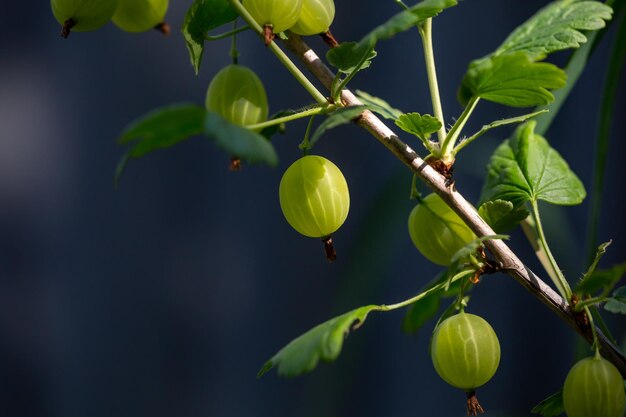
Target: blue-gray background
{"points": [[164, 297]]}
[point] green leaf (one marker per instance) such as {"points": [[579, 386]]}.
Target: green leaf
{"points": [[601, 279], [378, 105], [556, 27], [512, 79], [348, 57], [418, 125], [405, 20], [617, 303], [551, 406], [323, 342], [161, 128], [238, 141], [526, 168], [203, 16], [270, 131], [337, 118], [502, 215]]}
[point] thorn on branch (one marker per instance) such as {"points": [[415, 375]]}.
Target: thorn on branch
{"points": [[445, 169]]}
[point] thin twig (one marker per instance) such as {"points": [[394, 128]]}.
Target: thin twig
{"points": [[509, 262]]}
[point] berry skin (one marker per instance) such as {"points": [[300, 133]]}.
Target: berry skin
{"points": [[316, 17], [279, 14], [314, 196], [465, 351], [82, 15], [594, 388], [437, 231], [237, 94], [139, 15]]}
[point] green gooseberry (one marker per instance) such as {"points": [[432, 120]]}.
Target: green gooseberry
{"points": [[237, 94], [316, 17], [140, 15], [82, 15]]}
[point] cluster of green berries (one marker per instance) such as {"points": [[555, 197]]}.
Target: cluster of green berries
{"points": [[128, 15]]}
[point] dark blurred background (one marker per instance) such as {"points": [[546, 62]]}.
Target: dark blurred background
{"points": [[164, 297]]}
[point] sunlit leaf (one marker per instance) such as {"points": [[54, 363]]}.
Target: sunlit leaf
{"points": [[418, 125], [556, 27], [324, 342], [526, 168], [512, 79]]}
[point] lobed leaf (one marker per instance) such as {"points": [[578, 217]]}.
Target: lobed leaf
{"points": [[238, 141], [378, 105], [556, 27], [203, 16], [617, 303], [323, 342], [418, 125], [160, 128], [525, 168], [551, 406], [502, 215], [337, 118], [513, 80], [348, 57]]}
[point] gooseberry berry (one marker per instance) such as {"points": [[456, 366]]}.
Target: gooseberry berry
{"points": [[594, 388], [316, 17], [82, 15], [314, 196], [237, 94], [140, 15], [437, 231], [466, 352], [274, 15]]}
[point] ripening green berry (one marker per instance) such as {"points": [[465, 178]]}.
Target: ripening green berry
{"points": [[279, 14], [594, 388], [316, 17], [314, 196], [465, 351], [139, 15], [82, 15], [437, 231], [237, 94]]}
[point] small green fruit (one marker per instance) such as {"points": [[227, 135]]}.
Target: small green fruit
{"points": [[316, 17], [314, 196], [139, 15], [594, 388], [237, 94], [82, 15], [465, 351], [437, 231], [279, 14]]}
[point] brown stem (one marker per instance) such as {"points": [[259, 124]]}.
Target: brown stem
{"points": [[329, 39], [67, 26], [505, 257], [164, 28], [473, 406], [331, 255]]}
